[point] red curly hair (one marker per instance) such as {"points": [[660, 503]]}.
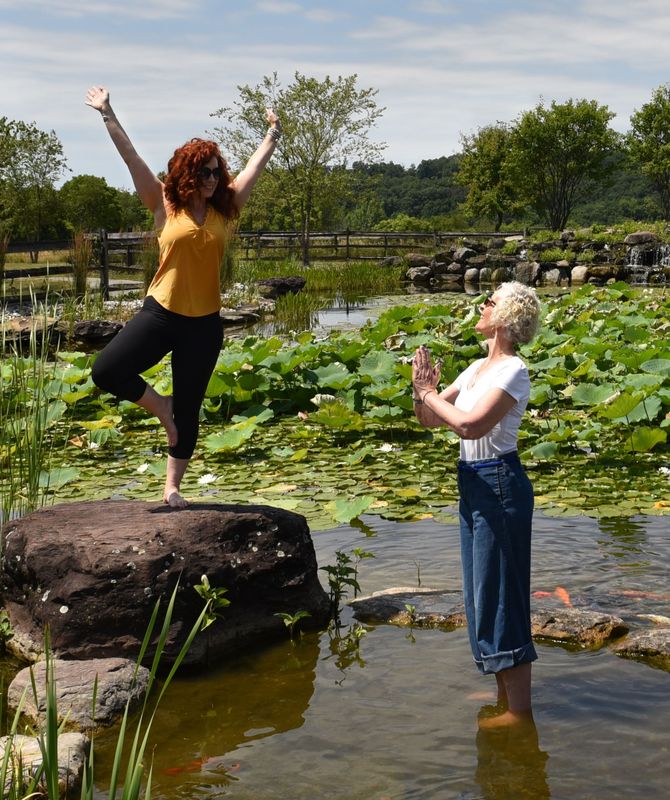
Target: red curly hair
{"points": [[183, 177]]}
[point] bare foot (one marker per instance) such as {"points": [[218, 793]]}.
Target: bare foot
{"points": [[167, 420], [507, 720], [174, 500]]}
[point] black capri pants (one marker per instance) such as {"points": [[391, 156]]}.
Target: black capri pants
{"points": [[195, 343]]}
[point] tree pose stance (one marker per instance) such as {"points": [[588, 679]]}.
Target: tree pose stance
{"points": [[194, 213], [484, 406]]}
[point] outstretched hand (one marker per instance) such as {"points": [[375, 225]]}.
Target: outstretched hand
{"points": [[425, 376], [97, 97], [272, 118]]}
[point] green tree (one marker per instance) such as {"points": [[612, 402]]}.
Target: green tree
{"points": [[134, 214], [485, 171], [556, 150], [649, 142], [325, 123], [31, 161], [89, 204]]}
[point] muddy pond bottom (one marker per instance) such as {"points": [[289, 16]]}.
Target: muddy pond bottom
{"points": [[391, 714]]}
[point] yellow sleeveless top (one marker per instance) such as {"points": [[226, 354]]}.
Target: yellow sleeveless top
{"points": [[187, 280]]}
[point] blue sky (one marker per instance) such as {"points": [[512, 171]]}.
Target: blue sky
{"points": [[442, 67]]}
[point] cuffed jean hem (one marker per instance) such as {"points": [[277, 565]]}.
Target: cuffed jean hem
{"points": [[489, 665]]}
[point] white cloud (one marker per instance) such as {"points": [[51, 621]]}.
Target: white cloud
{"points": [[146, 9], [278, 7]]}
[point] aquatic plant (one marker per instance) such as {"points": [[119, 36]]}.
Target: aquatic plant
{"points": [[324, 425], [80, 256], [341, 578], [290, 620], [214, 599], [30, 405], [20, 783]]}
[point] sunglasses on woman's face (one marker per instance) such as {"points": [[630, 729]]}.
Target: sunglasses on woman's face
{"points": [[206, 172], [488, 301]]}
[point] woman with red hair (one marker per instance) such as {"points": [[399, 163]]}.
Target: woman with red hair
{"points": [[194, 212]]}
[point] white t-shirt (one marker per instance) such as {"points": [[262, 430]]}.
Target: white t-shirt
{"points": [[509, 374]]}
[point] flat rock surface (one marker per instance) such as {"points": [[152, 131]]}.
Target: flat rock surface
{"points": [[93, 572], [116, 686], [72, 748], [647, 643], [436, 608]]}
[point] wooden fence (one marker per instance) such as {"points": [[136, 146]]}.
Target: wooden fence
{"points": [[125, 251]]}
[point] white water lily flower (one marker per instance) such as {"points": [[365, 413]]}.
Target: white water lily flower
{"points": [[664, 470], [203, 480], [387, 448], [321, 399], [143, 468]]}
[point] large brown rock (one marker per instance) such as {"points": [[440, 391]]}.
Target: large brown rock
{"points": [[93, 571]]}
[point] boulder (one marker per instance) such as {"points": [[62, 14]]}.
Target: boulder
{"points": [[527, 272], [440, 268], [641, 237], [117, 686], [649, 644], [496, 243], [391, 261], [463, 254], [579, 274], [95, 331], [419, 274], [26, 753], [276, 287], [93, 571], [501, 274], [436, 608], [575, 625], [457, 269], [471, 275], [421, 608], [418, 260]]}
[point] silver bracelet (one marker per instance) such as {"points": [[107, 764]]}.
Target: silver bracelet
{"points": [[274, 134], [105, 118]]}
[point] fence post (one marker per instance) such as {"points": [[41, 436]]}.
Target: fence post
{"points": [[347, 246], [104, 265]]}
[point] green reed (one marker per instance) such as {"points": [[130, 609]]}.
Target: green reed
{"points": [[130, 780], [80, 256], [296, 312], [27, 410], [364, 277]]}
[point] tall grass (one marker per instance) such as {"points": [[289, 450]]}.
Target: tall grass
{"points": [[130, 780], [81, 254], [28, 408], [365, 277]]}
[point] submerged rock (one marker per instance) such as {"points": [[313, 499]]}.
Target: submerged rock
{"points": [[576, 626], [422, 608], [651, 644], [93, 572], [435, 608], [117, 686]]}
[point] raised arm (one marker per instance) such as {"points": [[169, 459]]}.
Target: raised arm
{"points": [[245, 181], [149, 188]]}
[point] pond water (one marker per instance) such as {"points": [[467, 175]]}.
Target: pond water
{"points": [[396, 718]]}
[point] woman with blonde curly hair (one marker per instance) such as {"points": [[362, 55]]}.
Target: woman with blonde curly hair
{"points": [[194, 212], [484, 406]]}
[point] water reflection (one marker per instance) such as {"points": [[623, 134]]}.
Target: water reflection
{"points": [[510, 764], [197, 734]]}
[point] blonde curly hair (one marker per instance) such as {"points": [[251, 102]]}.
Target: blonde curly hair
{"points": [[517, 311]]}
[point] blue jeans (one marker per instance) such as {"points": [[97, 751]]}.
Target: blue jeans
{"points": [[496, 511]]}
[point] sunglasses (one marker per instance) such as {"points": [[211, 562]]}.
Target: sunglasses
{"points": [[206, 172], [488, 300]]}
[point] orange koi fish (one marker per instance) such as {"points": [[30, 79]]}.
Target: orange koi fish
{"points": [[563, 596]]}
